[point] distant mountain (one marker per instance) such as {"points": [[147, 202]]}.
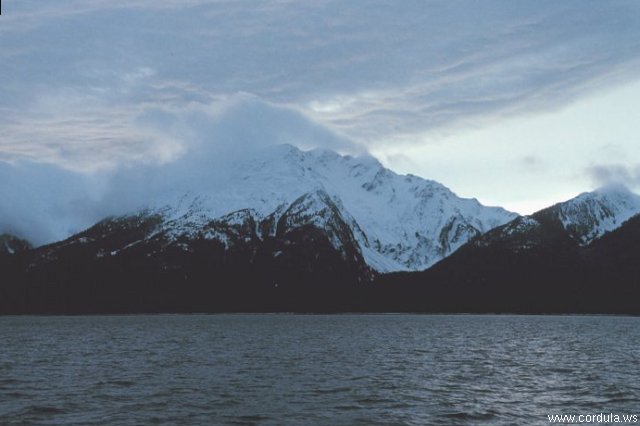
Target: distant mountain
{"points": [[578, 221], [576, 256], [592, 214]]}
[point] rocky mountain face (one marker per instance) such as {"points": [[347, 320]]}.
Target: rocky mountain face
{"points": [[10, 244]]}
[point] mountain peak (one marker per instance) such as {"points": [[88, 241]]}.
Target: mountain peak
{"points": [[401, 222], [592, 214]]}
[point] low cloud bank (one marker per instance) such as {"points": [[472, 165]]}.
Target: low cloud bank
{"points": [[45, 203]]}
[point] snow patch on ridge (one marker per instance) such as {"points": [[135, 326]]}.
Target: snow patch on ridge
{"points": [[592, 214], [400, 222]]}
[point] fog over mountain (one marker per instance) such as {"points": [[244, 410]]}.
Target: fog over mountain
{"points": [[488, 99], [241, 158], [47, 202]]}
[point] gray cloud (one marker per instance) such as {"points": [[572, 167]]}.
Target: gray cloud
{"points": [[606, 174], [45, 203], [378, 72], [533, 163], [89, 133]]}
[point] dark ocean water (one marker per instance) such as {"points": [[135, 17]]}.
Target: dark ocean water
{"points": [[329, 370]]}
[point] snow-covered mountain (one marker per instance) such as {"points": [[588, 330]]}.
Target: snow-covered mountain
{"points": [[304, 231], [400, 222], [592, 214], [580, 220]]}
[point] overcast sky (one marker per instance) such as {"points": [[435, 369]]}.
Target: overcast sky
{"points": [[517, 103]]}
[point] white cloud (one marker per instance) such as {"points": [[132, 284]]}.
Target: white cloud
{"points": [[67, 191]]}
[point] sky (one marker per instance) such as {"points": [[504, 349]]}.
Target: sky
{"points": [[519, 104]]}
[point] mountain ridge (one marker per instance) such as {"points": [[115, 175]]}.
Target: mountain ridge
{"points": [[538, 264], [401, 222], [590, 215], [307, 256]]}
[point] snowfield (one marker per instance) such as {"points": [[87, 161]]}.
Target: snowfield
{"points": [[401, 222]]}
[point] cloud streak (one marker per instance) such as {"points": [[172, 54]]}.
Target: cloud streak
{"points": [[377, 72]]}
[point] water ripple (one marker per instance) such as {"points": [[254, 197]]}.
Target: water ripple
{"points": [[333, 370]]}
